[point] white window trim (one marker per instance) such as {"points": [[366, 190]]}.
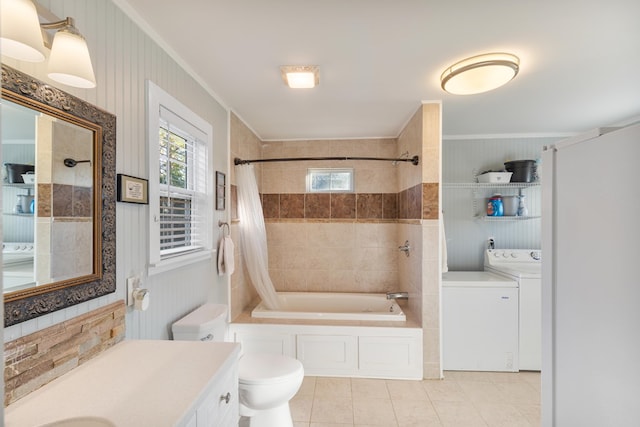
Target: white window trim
{"points": [[350, 171], [157, 98]]}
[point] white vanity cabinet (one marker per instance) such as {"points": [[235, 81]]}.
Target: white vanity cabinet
{"points": [[220, 407], [142, 383]]}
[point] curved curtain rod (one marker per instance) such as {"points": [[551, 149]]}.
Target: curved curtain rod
{"points": [[415, 160]]}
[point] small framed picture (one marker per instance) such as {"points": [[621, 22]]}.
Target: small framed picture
{"points": [[220, 190], [132, 189]]}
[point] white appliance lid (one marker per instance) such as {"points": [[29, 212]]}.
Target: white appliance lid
{"points": [[522, 271], [480, 279]]}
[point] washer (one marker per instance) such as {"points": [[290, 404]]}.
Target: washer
{"points": [[479, 321], [524, 266]]}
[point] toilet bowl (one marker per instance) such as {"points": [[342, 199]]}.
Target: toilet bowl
{"points": [[266, 382]]}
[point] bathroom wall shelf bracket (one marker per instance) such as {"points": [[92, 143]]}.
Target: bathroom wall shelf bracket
{"points": [[479, 191], [506, 218], [476, 185]]}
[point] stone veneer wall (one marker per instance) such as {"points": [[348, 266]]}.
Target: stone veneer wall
{"points": [[37, 359]]}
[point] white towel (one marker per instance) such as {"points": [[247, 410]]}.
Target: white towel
{"points": [[443, 245], [226, 264]]}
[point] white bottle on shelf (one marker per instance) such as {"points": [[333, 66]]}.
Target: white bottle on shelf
{"points": [[522, 209]]}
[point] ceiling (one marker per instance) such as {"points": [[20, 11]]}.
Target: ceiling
{"points": [[379, 59]]}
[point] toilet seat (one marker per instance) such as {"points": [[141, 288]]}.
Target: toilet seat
{"points": [[268, 369]]}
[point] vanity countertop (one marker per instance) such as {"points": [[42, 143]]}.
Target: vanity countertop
{"points": [[134, 383]]}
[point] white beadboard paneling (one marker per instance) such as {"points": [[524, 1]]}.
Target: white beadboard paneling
{"points": [[466, 234], [124, 57]]}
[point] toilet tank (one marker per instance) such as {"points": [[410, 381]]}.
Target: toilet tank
{"points": [[206, 323]]}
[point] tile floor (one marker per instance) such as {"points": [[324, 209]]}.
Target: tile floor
{"points": [[462, 399]]}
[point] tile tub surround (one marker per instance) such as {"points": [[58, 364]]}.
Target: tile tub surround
{"points": [[415, 218], [37, 359], [417, 202]]}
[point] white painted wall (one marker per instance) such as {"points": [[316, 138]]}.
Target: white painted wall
{"points": [[462, 160], [123, 57]]}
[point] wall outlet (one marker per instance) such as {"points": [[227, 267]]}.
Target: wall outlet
{"points": [[132, 283], [508, 361]]}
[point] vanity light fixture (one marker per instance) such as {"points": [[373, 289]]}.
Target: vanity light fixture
{"points": [[480, 73], [24, 38], [300, 76]]}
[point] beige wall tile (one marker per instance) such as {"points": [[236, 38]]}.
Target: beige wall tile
{"points": [[294, 280], [376, 281], [329, 258], [331, 281], [331, 235], [377, 236]]}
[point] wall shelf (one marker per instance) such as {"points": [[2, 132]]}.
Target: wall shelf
{"points": [[506, 218], [481, 191], [18, 185], [476, 185]]}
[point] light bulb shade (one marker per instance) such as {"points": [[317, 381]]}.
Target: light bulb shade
{"points": [[21, 36], [70, 62], [300, 76], [301, 80], [480, 73]]}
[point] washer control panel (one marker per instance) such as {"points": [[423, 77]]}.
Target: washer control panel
{"points": [[509, 256], [12, 248]]}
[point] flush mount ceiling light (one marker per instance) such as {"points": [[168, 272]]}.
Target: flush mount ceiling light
{"points": [[480, 73], [23, 38], [300, 76]]}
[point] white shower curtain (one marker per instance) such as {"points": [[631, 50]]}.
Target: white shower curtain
{"points": [[253, 235]]}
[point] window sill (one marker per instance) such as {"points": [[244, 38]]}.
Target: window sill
{"points": [[179, 261]]}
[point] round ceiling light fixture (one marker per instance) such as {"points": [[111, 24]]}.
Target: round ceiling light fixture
{"points": [[480, 73]]}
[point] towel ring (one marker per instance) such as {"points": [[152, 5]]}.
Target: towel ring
{"points": [[224, 225]]}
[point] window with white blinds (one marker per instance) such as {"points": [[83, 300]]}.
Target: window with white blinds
{"points": [[183, 188], [180, 182]]}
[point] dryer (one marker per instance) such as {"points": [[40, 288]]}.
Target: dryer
{"points": [[525, 267]]}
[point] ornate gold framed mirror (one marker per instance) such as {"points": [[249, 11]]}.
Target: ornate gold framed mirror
{"points": [[64, 214]]}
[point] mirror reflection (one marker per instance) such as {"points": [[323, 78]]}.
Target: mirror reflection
{"points": [[48, 198]]}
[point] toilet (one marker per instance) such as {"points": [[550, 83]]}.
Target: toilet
{"points": [[266, 382]]}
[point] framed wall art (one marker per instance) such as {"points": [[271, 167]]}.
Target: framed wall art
{"points": [[220, 190], [132, 189]]}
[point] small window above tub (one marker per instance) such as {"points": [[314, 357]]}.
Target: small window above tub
{"points": [[330, 180]]}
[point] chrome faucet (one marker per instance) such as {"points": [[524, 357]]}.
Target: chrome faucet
{"points": [[405, 248], [397, 295]]}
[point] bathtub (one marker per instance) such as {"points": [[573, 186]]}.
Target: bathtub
{"points": [[333, 306]]}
